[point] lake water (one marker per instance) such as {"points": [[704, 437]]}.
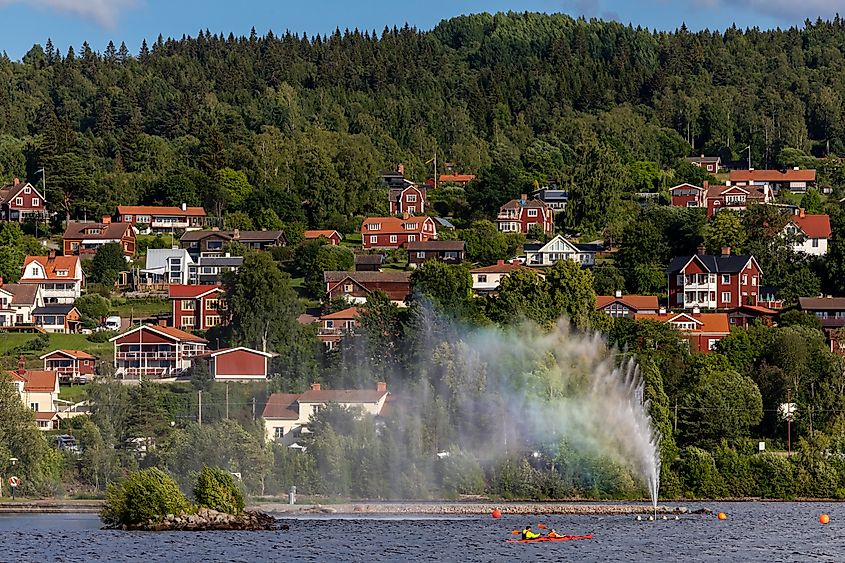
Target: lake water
{"points": [[753, 532]]}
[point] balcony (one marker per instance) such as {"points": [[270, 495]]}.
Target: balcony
{"points": [[159, 224], [146, 356]]}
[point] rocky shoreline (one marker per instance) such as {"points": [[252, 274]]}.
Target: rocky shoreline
{"points": [[459, 508], [206, 520]]}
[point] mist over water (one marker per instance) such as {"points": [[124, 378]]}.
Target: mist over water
{"points": [[526, 391]]}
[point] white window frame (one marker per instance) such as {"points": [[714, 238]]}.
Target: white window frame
{"points": [[18, 201], [726, 297], [726, 278], [36, 202], [394, 239]]}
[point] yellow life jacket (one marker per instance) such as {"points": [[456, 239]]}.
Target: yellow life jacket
{"points": [[529, 535]]}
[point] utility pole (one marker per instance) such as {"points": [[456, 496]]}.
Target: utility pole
{"points": [[676, 415], [199, 407], [227, 400], [789, 423], [253, 408]]}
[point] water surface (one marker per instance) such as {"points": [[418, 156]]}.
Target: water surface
{"points": [[753, 532]]}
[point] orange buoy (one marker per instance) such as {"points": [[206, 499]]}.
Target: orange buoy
{"points": [[824, 519], [497, 513], [722, 516]]}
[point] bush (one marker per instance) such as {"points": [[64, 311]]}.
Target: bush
{"points": [[145, 495], [773, 475], [101, 336], [216, 489], [698, 473]]}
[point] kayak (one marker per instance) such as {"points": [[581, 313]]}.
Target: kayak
{"points": [[547, 538]]}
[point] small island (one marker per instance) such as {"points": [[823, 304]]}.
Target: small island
{"points": [[150, 500]]}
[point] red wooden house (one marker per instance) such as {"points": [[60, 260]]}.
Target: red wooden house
{"points": [[703, 330], [627, 305], [20, 201], [162, 218], [736, 198], [334, 326], [395, 232], [83, 239], [333, 237], [714, 282], [354, 287], [519, 215], [155, 352], [237, 364], [689, 195], [196, 307], [71, 365], [408, 199]]}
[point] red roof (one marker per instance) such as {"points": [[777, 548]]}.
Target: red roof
{"points": [[317, 234], [159, 210], [394, 225], [281, 405], [346, 314], [45, 416], [53, 265], [178, 291], [37, 381], [635, 302], [169, 331], [75, 354], [457, 178], [773, 175], [342, 396], [814, 226], [711, 323]]}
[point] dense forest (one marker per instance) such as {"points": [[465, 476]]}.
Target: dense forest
{"points": [[257, 126]]}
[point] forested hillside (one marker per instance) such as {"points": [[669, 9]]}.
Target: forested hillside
{"points": [[524, 97]]}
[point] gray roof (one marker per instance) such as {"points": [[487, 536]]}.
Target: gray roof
{"points": [[376, 259], [713, 264], [435, 245], [243, 236], [53, 310], [157, 257], [590, 247], [822, 303], [445, 223], [532, 246], [228, 261], [22, 293], [365, 277]]}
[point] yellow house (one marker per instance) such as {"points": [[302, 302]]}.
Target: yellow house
{"points": [[286, 414], [39, 390]]}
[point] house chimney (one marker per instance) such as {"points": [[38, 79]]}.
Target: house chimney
{"points": [[696, 311], [401, 168], [801, 212], [184, 206], [618, 293], [701, 250], [500, 262], [227, 255], [51, 256], [17, 181], [523, 197], [706, 184], [381, 387], [702, 156], [316, 387], [106, 220], [726, 251], [21, 365], [236, 234]]}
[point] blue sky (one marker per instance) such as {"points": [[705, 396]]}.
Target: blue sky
{"points": [[70, 22]]}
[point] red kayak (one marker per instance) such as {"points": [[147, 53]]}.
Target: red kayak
{"points": [[547, 538]]}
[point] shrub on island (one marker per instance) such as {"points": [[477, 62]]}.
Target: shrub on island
{"points": [[216, 489], [144, 496]]}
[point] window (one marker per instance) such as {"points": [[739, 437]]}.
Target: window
{"points": [[212, 320], [85, 362], [18, 201], [412, 238], [482, 278], [35, 202], [34, 406], [726, 297], [212, 304], [412, 209], [43, 424], [187, 321], [421, 254], [393, 238], [532, 212], [726, 278], [127, 218], [711, 344], [374, 239], [347, 288], [815, 243], [279, 432], [329, 324], [188, 305], [754, 280], [684, 326], [374, 227], [195, 244], [680, 279], [214, 245], [74, 246], [744, 279], [411, 198], [27, 191], [61, 273], [680, 298]]}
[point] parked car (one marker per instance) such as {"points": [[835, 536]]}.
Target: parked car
{"points": [[67, 443]]}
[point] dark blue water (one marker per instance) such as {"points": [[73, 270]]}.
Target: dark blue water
{"points": [[753, 532]]}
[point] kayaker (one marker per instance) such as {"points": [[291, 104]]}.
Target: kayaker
{"points": [[527, 534], [553, 534]]}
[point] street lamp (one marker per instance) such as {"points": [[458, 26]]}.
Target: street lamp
{"points": [[13, 461]]}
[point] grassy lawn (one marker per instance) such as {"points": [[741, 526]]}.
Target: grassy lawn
{"points": [[75, 393], [352, 240], [143, 241], [9, 341], [139, 307]]}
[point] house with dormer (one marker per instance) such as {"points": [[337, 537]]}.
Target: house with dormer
{"points": [[20, 201], [736, 198], [39, 391], [59, 278], [396, 232], [794, 179], [714, 282], [702, 330], [558, 248], [286, 415], [519, 215], [355, 287], [18, 302], [334, 326], [627, 306], [84, 239]]}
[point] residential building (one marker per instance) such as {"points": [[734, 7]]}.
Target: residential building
{"points": [[746, 315], [333, 237], [689, 195], [558, 248], [395, 179], [39, 391], [368, 262], [60, 318], [162, 218], [196, 307], [211, 243], [83, 239], [460, 180], [59, 278], [736, 198], [354, 287], [555, 198], [286, 415], [811, 233], [794, 180], [236, 364], [165, 266], [714, 282], [334, 326], [627, 306], [703, 330], [70, 365], [829, 310], [449, 251], [209, 270], [17, 303], [486, 279], [709, 163], [154, 352], [395, 232], [519, 215], [408, 199], [443, 224], [20, 201]]}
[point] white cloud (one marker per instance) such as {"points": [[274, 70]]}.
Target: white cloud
{"points": [[788, 10], [104, 12]]}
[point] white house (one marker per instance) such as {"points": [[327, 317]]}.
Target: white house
{"points": [[286, 415], [558, 248], [486, 279], [38, 390], [59, 277], [166, 266], [813, 233]]}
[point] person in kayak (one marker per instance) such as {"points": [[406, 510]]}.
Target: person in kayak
{"points": [[527, 534], [553, 534]]}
